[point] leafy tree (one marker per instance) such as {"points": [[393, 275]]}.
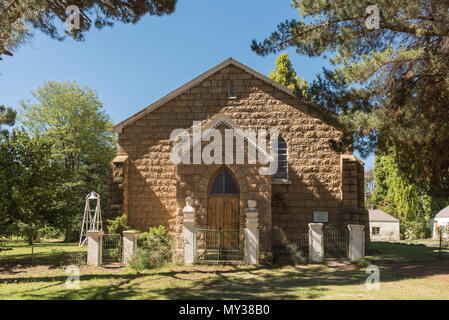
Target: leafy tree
{"points": [[395, 195], [389, 83], [17, 17], [286, 75], [71, 119], [29, 182]]}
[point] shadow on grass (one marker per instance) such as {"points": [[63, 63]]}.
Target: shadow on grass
{"points": [[237, 283], [397, 262]]}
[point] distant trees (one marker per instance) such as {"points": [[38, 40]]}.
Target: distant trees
{"points": [[29, 180], [370, 185], [71, 119], [404, 200], [61, 154]]}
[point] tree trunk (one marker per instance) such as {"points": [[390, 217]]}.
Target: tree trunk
{"points": [[68, 237]]}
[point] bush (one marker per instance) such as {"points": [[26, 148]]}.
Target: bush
{"points": [[155, 248], [413, 230], [79, 257], [118, 225], [284, 251]]}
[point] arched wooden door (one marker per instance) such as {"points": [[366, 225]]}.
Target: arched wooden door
{"points": [[223, 211]]}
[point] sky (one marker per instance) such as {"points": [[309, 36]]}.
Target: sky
{"points": [[133, 65]]}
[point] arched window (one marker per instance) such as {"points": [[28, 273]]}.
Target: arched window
{"points": [[231, 90], [282, 172], [224, 183]]}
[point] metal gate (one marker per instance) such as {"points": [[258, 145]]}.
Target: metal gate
{"points": [[336, 243], [111, 250], [217, 246]]}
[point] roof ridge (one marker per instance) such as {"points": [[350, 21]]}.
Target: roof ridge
{"points": [[172, 95]]}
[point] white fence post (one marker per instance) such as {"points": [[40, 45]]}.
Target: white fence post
{"points": [[316, 243], [356, 242], [129, 245], [188, 231], [252, 233], [94, 247]]}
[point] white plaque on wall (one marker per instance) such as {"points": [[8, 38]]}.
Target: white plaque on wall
{"points": [[320, 216]]}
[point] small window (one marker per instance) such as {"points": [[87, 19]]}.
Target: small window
{"points": [[231, 90], [375, 230], [224, 183], [281, 151]]}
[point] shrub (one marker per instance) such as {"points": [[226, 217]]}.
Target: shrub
{"points": [[283, 250], [155, 248], [295, 254], [413, 230], [118, 225], [79, 257]]}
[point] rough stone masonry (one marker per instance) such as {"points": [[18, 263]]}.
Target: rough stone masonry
{"points": [[151, 190]]}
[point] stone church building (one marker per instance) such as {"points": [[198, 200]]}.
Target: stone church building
{"points": [[313, 183]]}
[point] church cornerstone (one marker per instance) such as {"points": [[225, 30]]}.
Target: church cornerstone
{"points": [[252, 233], [188, 231]]}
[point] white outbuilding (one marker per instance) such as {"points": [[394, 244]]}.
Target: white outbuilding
{"points": [[383, 227], [440, 220]]}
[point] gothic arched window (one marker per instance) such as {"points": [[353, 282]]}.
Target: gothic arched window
{"points": [[281, 151], [224, 183]]}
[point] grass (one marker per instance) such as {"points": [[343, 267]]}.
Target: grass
{"points": [[45, 253], [406, 272]]}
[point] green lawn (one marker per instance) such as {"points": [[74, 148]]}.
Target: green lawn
{"points": [[406, 272]]}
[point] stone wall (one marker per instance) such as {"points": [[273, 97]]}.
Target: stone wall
{"points": [[155, 189]]}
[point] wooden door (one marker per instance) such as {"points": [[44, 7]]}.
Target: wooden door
{"points": [[223, 211], [223, 217]]}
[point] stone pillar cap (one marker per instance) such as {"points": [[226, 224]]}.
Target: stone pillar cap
{"points": [[252, 204], [188, 209], [131, 233], [95, 232], [315, 226], [356, 227], [190, 201]]}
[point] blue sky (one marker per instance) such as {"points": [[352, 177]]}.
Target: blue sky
{"points": [[131, 66]]}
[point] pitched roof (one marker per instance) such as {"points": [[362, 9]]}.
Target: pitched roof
{"points": [[118, 127], [444, 213], [379, 215]]}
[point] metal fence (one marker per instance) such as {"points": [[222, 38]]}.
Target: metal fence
{"points": [[289, 247], [336, 243], [216, 246], [16, 247], [111, 250], [16, 250]]}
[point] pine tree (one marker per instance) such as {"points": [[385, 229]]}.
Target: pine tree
{"points": [[389, 83], [7, 117], [19, 17]]}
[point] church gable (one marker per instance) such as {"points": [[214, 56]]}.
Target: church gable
{"points": [[225, 85]]}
